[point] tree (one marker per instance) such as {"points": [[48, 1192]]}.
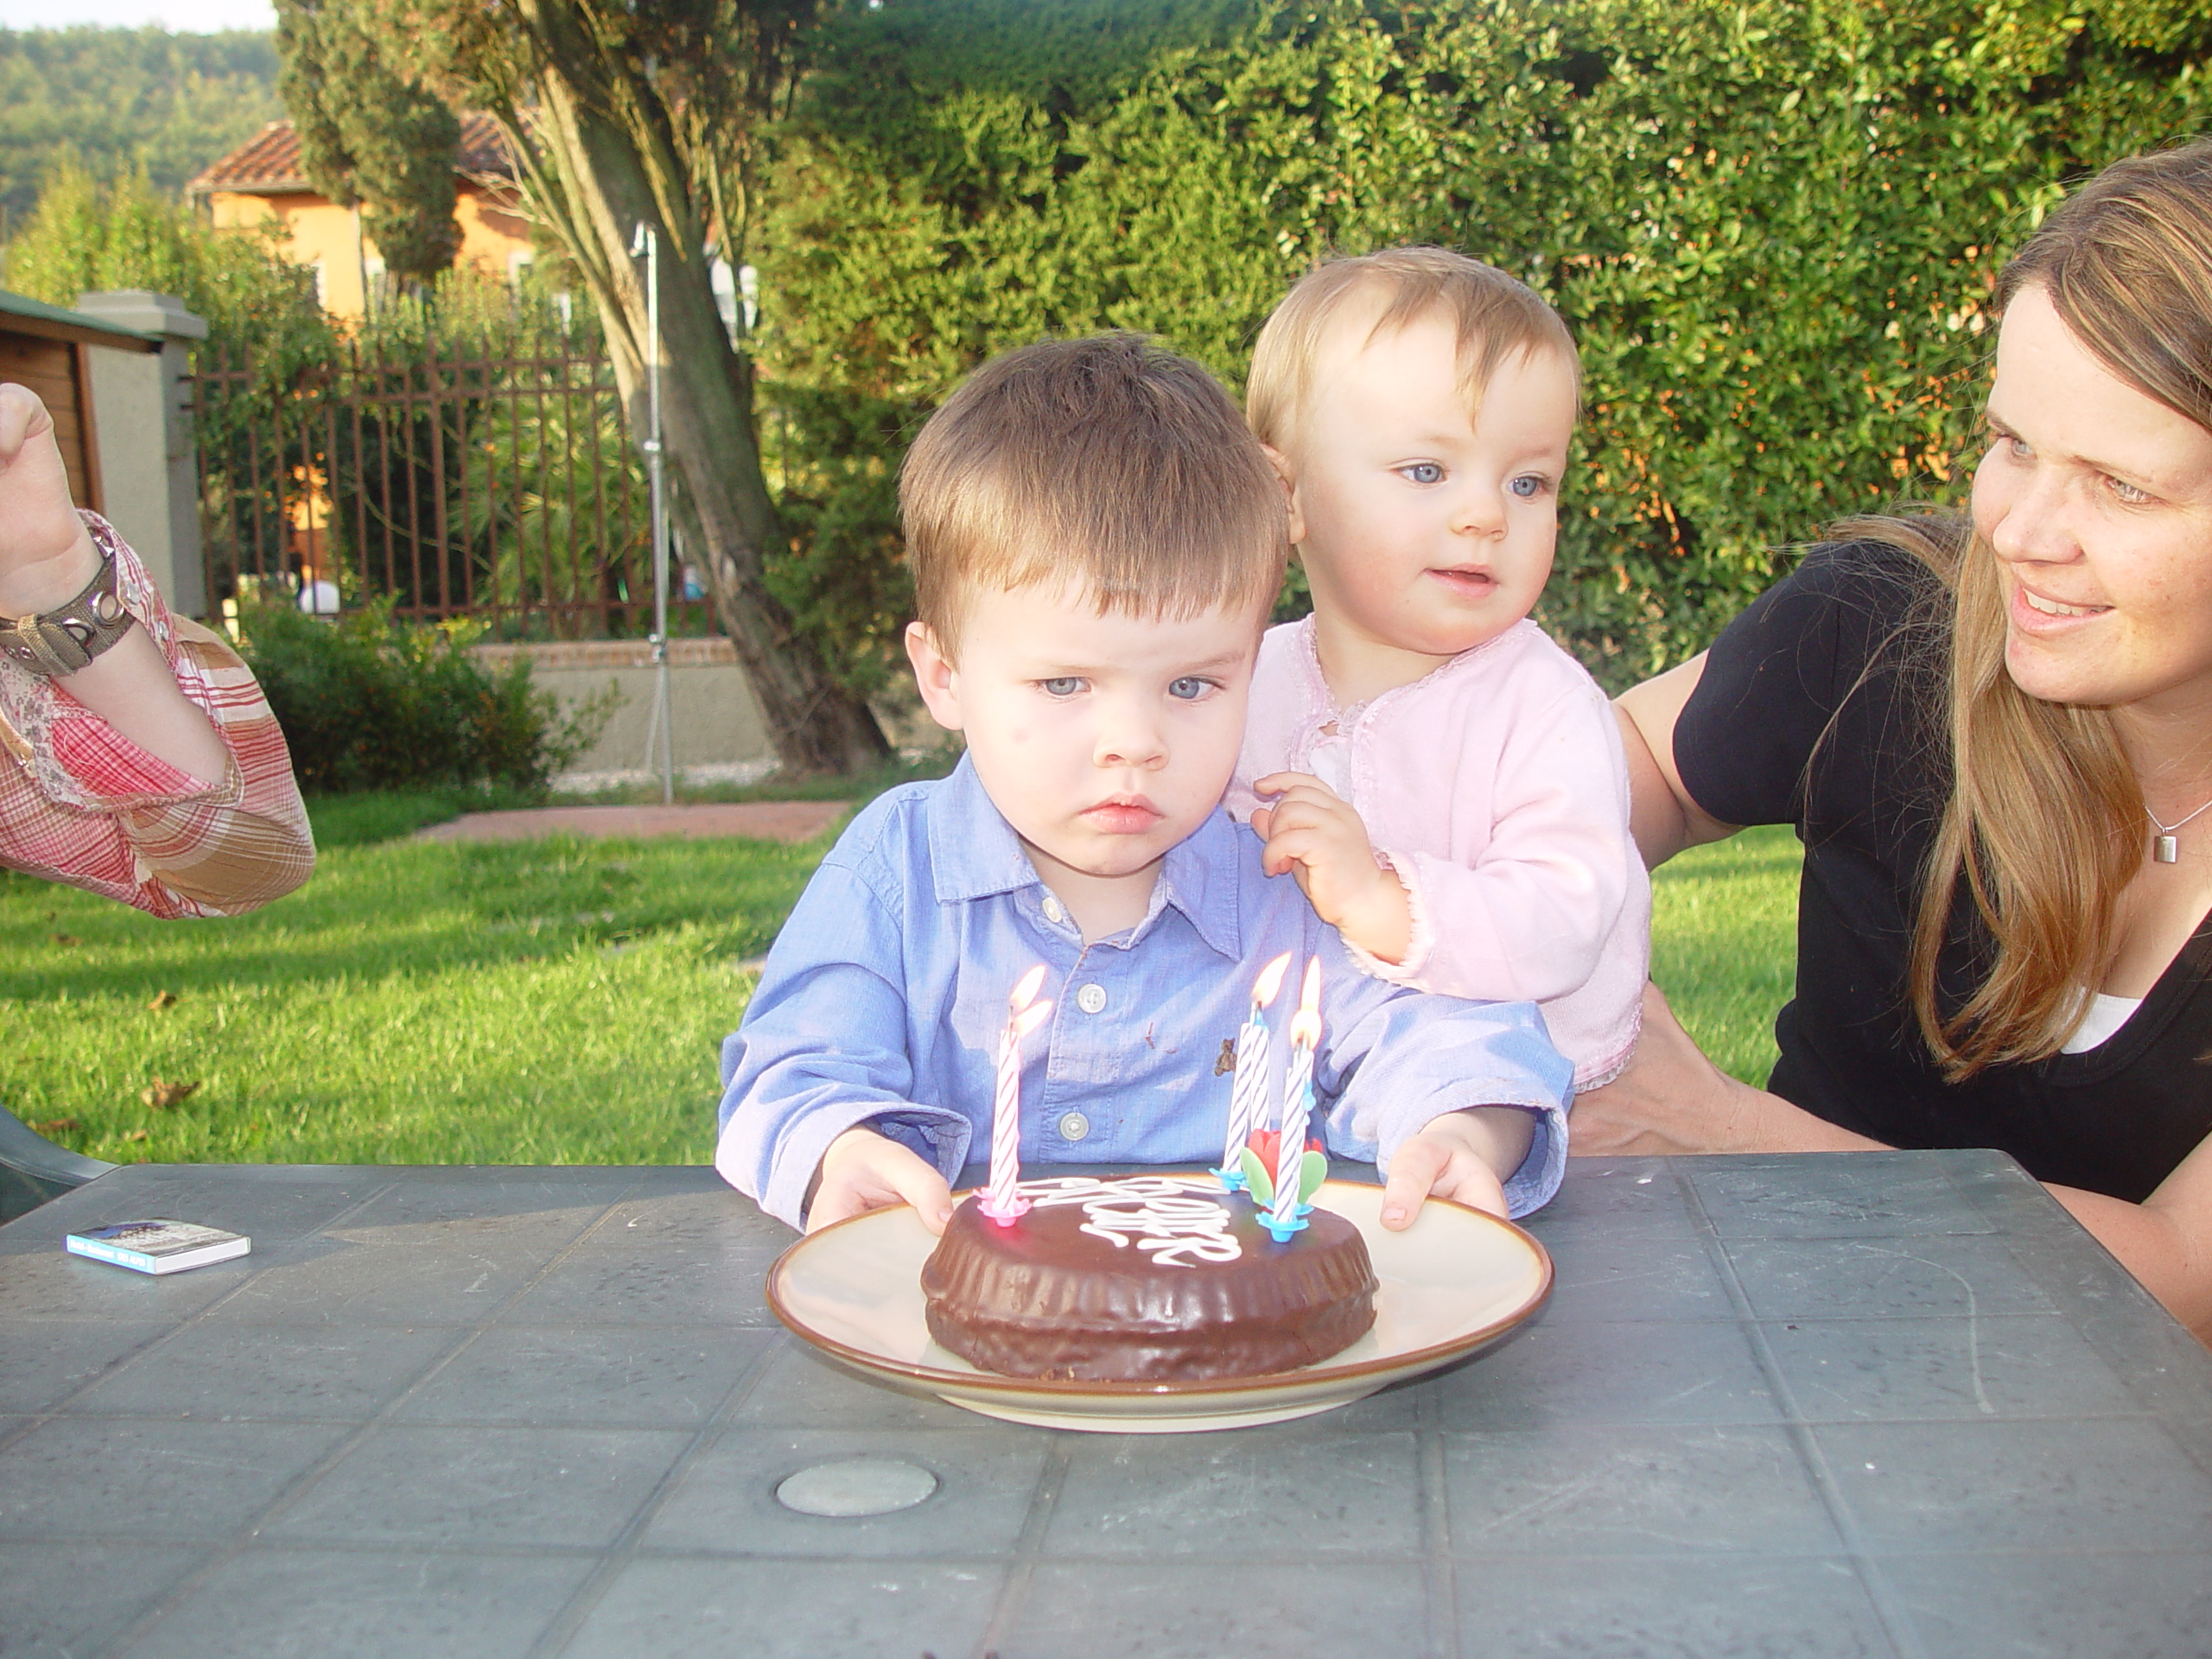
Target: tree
{"points": [[84, 236], [372, 136], [652, 114], [114, 100]]}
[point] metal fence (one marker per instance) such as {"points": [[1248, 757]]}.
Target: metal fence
{"points": [[458, 483]]}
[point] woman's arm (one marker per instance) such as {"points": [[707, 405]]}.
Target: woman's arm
{"points": [[2166, 1241], [1664, 817], [1673, 1099]]}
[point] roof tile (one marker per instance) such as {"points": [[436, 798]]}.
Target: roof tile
{"points": [[268, 163]]}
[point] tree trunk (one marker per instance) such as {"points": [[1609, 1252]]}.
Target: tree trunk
{"points": [[608, 179]]}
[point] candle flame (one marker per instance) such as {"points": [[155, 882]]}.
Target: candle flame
{"points": [[1025, 993], [1265, 987], [1029, 1018], [1306, 1026]]}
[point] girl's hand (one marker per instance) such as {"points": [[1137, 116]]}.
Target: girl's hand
{"points": [[1464, 1156], [47, 554], [1315, 835], [864, 1170]]}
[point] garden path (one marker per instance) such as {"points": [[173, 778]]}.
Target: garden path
{"points": [[786, 820]]}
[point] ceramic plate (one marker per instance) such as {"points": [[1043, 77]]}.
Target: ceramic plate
{"points": [[1454, 1282]]}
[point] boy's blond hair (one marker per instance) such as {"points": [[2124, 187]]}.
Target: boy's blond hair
{"points": [[1108, 463], [1495, 317]]}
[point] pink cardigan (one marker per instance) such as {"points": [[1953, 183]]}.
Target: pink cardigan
{"points": [[1497, 790]]}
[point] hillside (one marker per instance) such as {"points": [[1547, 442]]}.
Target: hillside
{"points": [[118, 97]]}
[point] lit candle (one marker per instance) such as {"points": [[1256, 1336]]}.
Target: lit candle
{"points": [[1024, 1014], [1248, 1098], [1283, 1219]]}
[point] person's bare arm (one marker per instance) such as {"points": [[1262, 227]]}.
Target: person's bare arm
{"points": [[47, 557], [1671, 1099], [2166, 1241], [1662, 815]]}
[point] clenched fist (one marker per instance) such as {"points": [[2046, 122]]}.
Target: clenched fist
{"points": [[47, 554]]}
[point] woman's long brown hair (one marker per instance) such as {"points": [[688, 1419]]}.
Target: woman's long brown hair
{"points": [[2043, 828]]}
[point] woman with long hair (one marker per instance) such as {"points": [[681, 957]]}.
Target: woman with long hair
{"points": [[1994, 734]]}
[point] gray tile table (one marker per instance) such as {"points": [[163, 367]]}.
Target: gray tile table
{"points": [[1885, 1404]]}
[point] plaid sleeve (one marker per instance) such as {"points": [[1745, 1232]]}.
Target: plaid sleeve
{"points": [[81, 804]]}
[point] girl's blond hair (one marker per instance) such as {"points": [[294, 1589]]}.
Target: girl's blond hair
{"points": [[1494, 317], [2044, 827]]}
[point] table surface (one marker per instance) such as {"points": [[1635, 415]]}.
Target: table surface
{"points": [[1860, 1404]]}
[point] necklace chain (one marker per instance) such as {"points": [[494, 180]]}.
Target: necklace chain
{"points": [[2165, 846], [2167, 829]]}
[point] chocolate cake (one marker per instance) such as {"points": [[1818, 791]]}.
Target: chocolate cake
{"points": [[1146, 1278]]}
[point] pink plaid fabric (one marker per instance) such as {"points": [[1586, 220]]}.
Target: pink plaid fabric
{"points": [[81, 804]]}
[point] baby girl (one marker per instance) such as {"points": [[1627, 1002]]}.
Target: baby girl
{"points": [[1445, 782]]}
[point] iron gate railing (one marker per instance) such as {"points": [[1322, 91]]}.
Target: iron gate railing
{"points": [[503, 489]]}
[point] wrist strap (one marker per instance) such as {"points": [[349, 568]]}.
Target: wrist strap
{"points": [[63, 641]]}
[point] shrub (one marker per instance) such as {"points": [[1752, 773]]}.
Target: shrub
{"points": [[260, 309], [87, 235], [368, 703], [1773, 226]]}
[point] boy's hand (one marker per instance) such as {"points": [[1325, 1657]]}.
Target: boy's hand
{"points": [[1461, 1155], [1313, 833], [864, 1170]]}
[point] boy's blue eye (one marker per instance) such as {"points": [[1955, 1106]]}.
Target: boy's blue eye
{"points": [[1065, 685], [1189, 688], [1528, 486], [1424, 471]]}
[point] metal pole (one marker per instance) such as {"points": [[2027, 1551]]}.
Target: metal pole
{"points": [[647, 241]]}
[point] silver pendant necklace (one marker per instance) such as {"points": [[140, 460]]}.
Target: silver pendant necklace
{"points": [[2165, 848]]}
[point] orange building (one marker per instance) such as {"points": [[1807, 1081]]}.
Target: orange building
{"points": [[262, 179]]}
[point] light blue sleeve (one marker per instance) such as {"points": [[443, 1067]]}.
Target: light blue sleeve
{"points": [[1396, 1058], [822, 1047]]}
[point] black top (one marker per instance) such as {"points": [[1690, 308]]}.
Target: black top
{"points": [[1822, 669]]}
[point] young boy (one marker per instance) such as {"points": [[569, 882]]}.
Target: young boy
{"points": [[1445, 782], [1095, 540]]}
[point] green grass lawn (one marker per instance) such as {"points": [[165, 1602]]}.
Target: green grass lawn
{"points": [[558, 1001], [1724, 944]]}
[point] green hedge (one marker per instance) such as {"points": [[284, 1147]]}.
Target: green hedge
{"points": [[370, 704], [1773, 226]]}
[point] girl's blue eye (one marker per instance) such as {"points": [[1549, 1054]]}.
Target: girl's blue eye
{"points": [[1528, 486], [1065, 686], [1424, 471], [1189, 689]]}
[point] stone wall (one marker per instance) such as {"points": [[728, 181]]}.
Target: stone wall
{"points": [[716, 722]]}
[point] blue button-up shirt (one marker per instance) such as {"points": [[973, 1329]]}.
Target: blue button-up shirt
{"points": [[884, 997]]}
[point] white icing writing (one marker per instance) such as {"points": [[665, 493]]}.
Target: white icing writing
{"points": [[1172, 1220]]}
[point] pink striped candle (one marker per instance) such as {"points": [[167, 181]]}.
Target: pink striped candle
{"points": [[1247, 1097], [1297, 1105], [1024, 1014]]}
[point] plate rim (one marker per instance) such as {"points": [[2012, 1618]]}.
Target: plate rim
{"points": [[1324, 1372]]}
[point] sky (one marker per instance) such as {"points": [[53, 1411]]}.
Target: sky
{"points": [[184, 17]]}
